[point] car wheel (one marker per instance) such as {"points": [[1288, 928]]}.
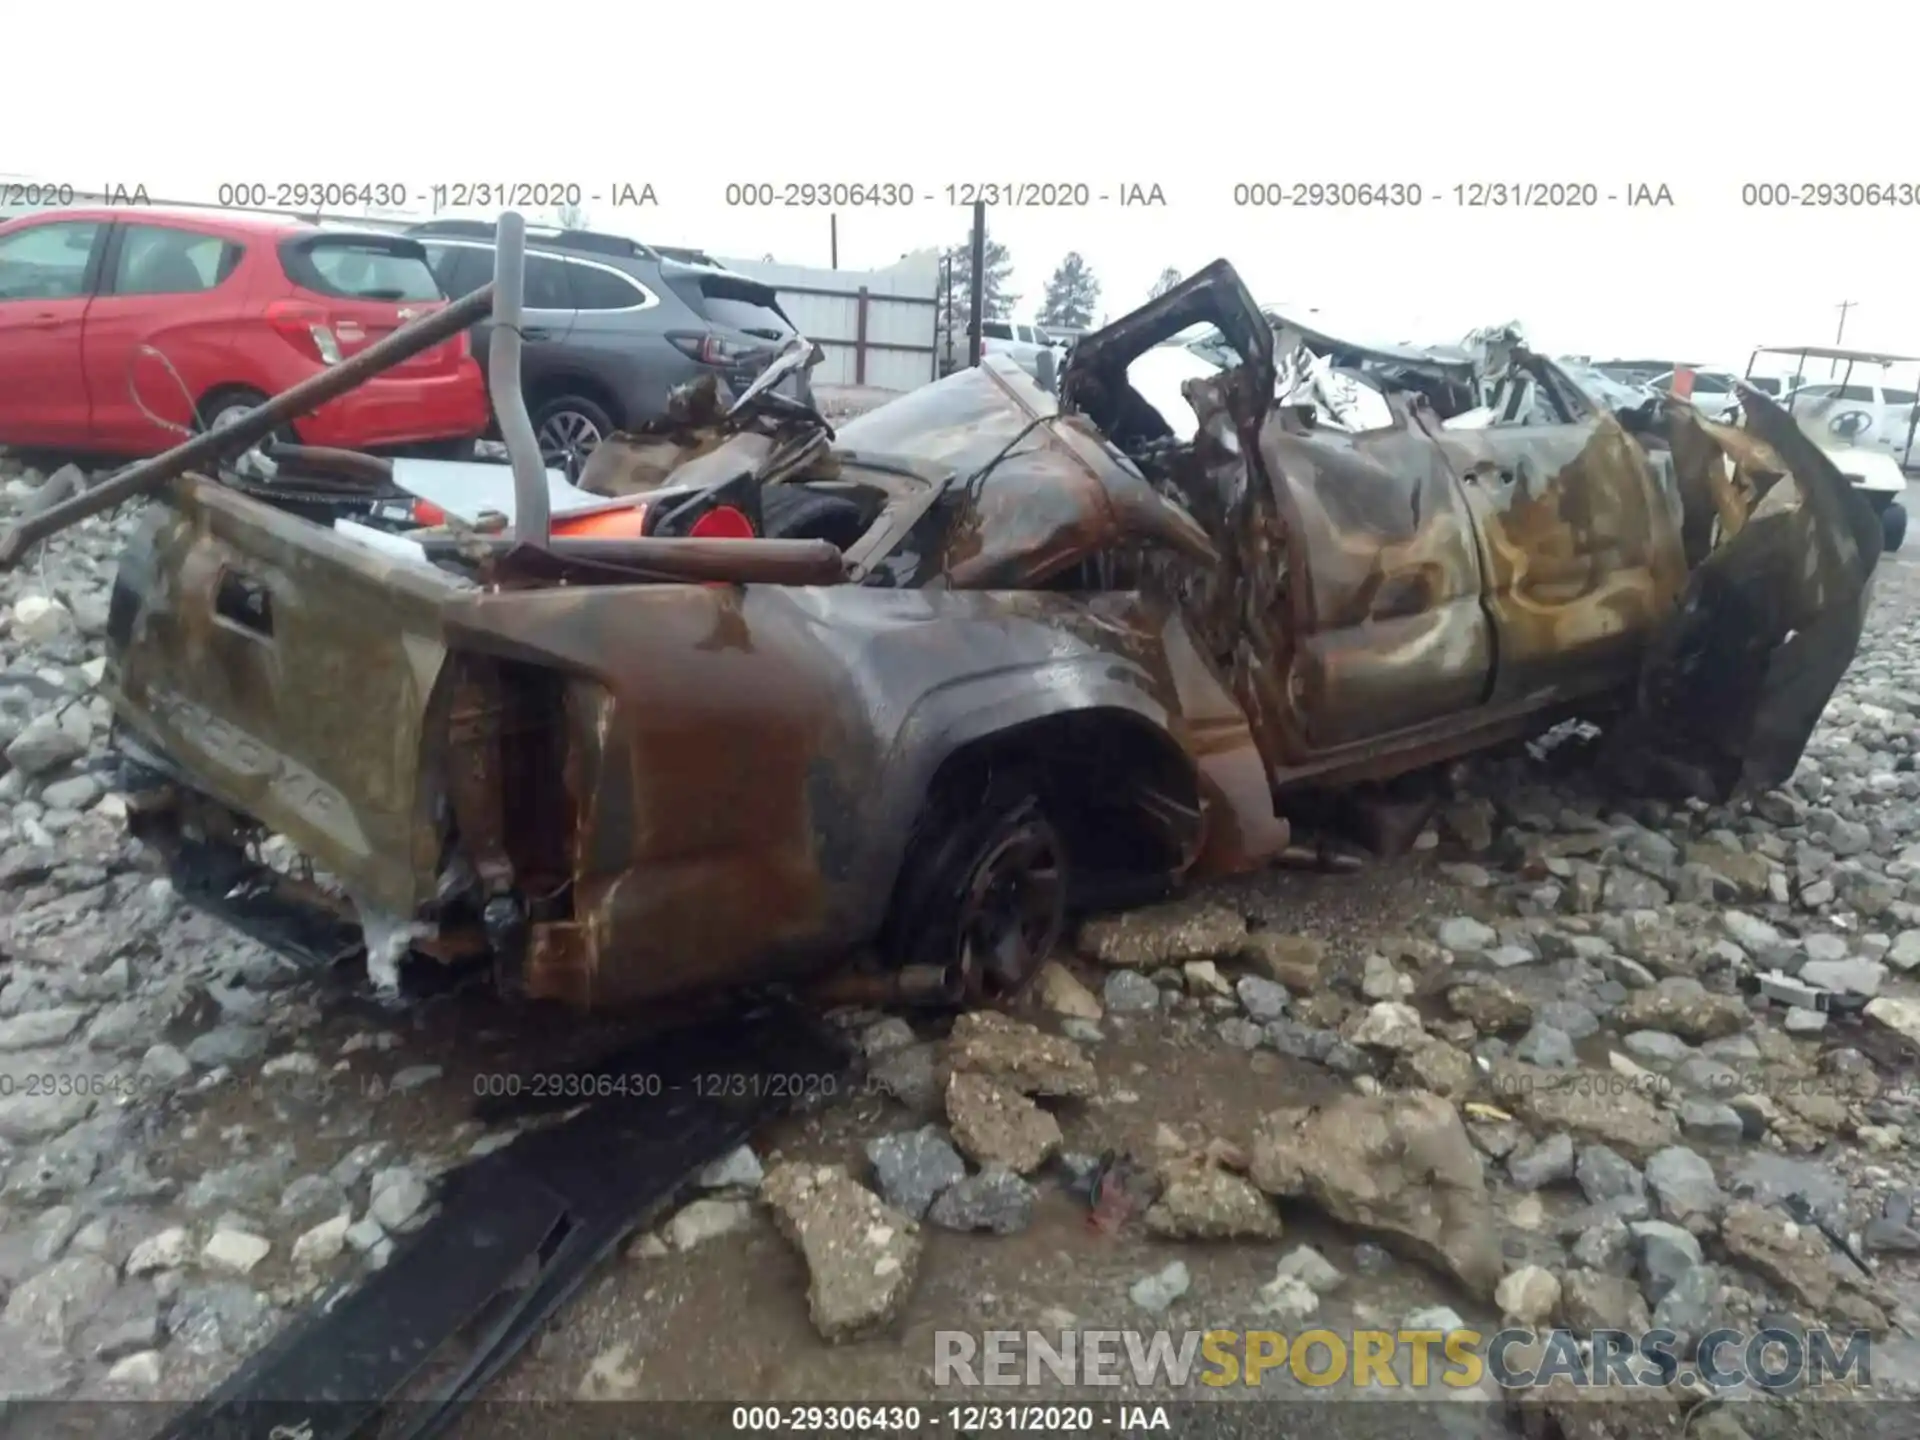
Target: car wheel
{"points": [[1893, 526], [983, 892], [223, 407], [568, 428]]}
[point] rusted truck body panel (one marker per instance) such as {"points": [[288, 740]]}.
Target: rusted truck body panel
{"points": [[618, 789]]}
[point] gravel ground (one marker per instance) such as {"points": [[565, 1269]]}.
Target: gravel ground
{"points": [[196, 1137]]}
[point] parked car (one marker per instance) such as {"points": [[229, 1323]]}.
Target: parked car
{"points": [[1020, 343], [121, 328], [957, 687], [613, 327]]}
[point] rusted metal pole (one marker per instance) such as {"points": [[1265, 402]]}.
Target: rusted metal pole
{"points": [[145, 475]]}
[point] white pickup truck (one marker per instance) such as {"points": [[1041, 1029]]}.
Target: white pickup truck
{"points": [[1020, 343]]}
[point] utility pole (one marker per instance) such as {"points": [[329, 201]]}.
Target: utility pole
{"points": [[976, 307], [833, 240]]}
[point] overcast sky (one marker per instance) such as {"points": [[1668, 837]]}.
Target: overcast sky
{"points": [[1633, 94]]}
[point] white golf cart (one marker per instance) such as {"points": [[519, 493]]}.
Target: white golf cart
{"points": [[1865, 424]]}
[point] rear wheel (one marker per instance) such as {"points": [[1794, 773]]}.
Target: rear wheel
{"points": [[223, 407], [983, 893], [1893, 525], [568, 427]]}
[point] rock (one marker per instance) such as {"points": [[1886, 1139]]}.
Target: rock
{"points": [[49, 1306], [1804, 1022], [1063, 994], [1205, 1202], [1692, 1305], [228, 1045], [707, 1219], [1389, 1026], [322, 1244], [1169, 934], [909, 1075], [995, 1200], [1491, 1006], [1608, 1109], [1905, 953], [996, 1125], [1710, 1120], [398, 1196], [1203, 977], [1263, 999], [165, 1063], [1798, 1259], [1296, 961], [1546, 1047], [1546, 1163], [1591, 1300], [1287, 1299], [1900, 1016], [38, 1028], [1156, 1292], [43, 746], [168, 1250], [1310, 1268], [221, 1318], [1127, 992], [1240, 1032], [235, 1251], [1528, 1296], [738, 1169], [1440, 1068], [312, 1195], [861, 1254], [1656, 1047], [1848, 977], [1605, 1175], [1684, 1187], [140, 1370], [1681, 1005], [1463, 934], [1400, 1166], [27, 1116], [913, 1166], [1666, 1251], [1382, 980]]}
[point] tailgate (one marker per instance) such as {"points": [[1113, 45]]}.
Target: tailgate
{"points": [[287, 672]]}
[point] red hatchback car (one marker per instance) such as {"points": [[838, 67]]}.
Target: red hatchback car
{"points": [[110, 318]]}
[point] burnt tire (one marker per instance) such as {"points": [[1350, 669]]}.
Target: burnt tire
{"points": [[793, 512], [1893, 526], [983, 891]]}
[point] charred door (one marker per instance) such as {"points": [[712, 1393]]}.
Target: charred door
{"points": [[1580, 559], [1384, 586]]}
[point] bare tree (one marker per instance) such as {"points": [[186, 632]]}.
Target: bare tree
{"points": [[1168, 278], [572, 217]]}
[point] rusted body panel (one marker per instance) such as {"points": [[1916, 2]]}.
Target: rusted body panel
{"points": [[623, 786]]}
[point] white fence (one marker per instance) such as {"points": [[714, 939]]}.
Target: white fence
{"points": [[876, 326]]}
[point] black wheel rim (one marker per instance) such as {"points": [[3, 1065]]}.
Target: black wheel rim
{"points": [[1012, 912]]}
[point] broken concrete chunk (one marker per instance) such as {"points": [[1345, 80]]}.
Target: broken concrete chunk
{"points": [[1170, 934], [1206, 1202], [995, 1124], [1019, 1056], [1400, 1166], [705, 1220], [861, 1254], [1296, 961]]}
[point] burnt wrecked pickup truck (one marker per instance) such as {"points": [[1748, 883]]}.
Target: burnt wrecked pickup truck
{"points": [[976, 661]]}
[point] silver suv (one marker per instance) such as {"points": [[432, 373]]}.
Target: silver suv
{"points": [[613, 326]]}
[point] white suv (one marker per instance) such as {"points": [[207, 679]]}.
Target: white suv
{"points": [[1021, 343]]}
